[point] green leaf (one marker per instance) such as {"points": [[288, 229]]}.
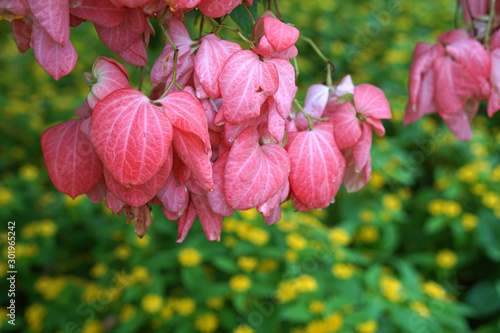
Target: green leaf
{"points": [[488, 236], [241, 17], [435, 224], [225, 264], [484, 298], [296, 313]]}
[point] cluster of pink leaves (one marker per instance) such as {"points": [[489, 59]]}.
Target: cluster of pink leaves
{"points": [[122, 25], [218, 145], [452, 76]]}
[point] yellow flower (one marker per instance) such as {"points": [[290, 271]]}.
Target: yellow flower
{"points": [[286, 291], [377, 180], [122, 251], [29, 230], [469, 221], [230, 241], [28, 173], [296, 241], [92, 326], [391, 288], [34, 316], [50, 288], [286, 225], [452, 208], [495, 174], [343, 271], [250, 214], [128, 311], [334, 322], [258, 236], [46, 228], [168, 310], [215, 302], [152, 303], [243, 329], [446, 259], [316, 307], [207, 323], [6, 196], [247, 263], [367, 234], [268, 265], [404, 193], [491, 200], [420, 308], [98, 270], [305, 283], [189, 257], [142, 242], [467, 174], [69, 202], [240, 283], [391, 202], [339, 236], [317, 326], [230, 225], [436, 207], [366, 216], [434, 290], [367, 327], [478, 189], [185, 306], [291, 256], [140, 273]]}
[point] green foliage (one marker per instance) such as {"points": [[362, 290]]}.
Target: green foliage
{"points": [[417, 250]]}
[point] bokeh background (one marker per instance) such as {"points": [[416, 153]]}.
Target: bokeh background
{"points": [[417, 250]]}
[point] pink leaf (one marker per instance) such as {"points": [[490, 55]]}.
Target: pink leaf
{"points": [[120, 38], [217, 8], [455, 86], [193, 153], [254, 173], [210, 221], [209, 61], [275, 122], [57, 60], [97, 193], [185, 222], [217, 197], [174, 195], [371, 101], [72, 163], [108, 75], [361, 150], [425, 101], [287, 89], [136, 54], [346, 126], [131, 136], [113, 203], [84, 111], [187, 114], [53, 17], [494, 100], [267, 50], [314, 104], [22, 34], [280, 35], [139, 195], [316, 166], [355, 181], [245, 83], [101, 12], [129, 3]]}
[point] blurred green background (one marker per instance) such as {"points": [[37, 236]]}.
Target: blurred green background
{"points": [[417, 250]]}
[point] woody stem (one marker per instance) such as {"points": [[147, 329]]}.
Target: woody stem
{"points": [[174, 72]]}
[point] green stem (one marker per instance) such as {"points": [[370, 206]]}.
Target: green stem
{"points": [[490, 23], [329, 64], [245, 7], [174, 72], [202, 23], [277, 8], [141, 78], [296, 66], [308, 116], [237, 31]]}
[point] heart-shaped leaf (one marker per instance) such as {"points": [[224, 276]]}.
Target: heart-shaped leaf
{"points": [[131, 136], [254, 173]]}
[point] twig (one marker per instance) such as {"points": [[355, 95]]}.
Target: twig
{"points": [[308, 116]]}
